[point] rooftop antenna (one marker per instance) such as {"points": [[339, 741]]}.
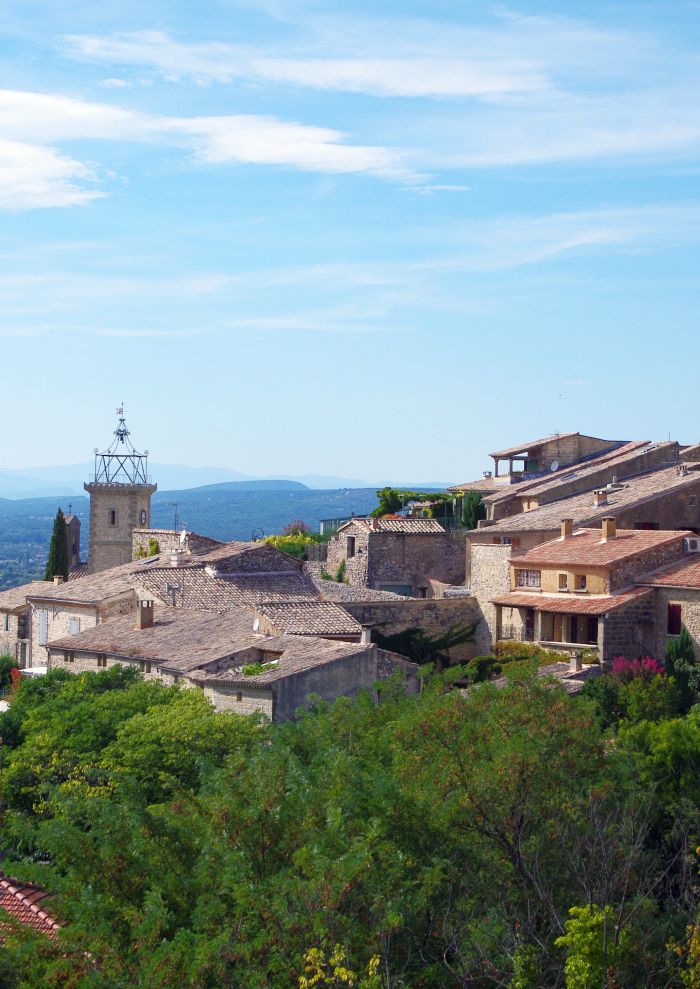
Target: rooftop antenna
{"points": [[175, 505]]}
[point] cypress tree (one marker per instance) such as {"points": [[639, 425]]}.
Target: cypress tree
{"points": [[57, 563]]}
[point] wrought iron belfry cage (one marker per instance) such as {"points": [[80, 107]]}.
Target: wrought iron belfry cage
{"points": [[121, 463]]}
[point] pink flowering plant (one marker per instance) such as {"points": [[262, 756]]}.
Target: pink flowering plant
{"points": [[646, 668]]}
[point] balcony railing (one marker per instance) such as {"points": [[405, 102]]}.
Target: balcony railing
{"points": [[518, 633]]}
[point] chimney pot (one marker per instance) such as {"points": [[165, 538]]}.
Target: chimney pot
{"points": [[609, 528], [600, 498], [144, 614], [567, 528], [366, 636], [58, 580]]}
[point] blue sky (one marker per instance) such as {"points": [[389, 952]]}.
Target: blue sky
{"points": [[370, 239]]}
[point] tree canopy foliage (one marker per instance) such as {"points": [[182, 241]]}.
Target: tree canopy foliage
{"points": [[482, 838], [58, 562]]}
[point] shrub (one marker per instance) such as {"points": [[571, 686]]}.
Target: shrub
{"points": [[482, 668], [7, 665], [253, 669], [296, 528], [632, 669], [340, 572]]}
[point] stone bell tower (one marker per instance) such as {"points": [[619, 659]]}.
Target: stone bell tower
{"points": [[120, 500]]}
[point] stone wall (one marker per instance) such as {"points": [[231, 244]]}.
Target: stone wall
{"points": [[434, 617], [240, 701], [263, 559], [356, 567], [411, 560], [628, 631], [111, 543], [689, 600], [342, 678], [59, 615], [169, 540], [627, 571], [15, 632], [490, 577]]}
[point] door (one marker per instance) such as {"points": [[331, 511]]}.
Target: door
{"points": [[530, 625]]}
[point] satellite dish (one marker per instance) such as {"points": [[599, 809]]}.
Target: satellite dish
{"points": [[256, 624], [183, 537], [555, 466]]}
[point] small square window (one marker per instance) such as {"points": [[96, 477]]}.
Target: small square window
{"points": [[563, 582], [146, 667], [239, 695], [581, 582], [69, 657], [102, 662]]}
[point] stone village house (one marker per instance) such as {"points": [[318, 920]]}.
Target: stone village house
{"points": [[593, 588], [412, 557], [215, 651]]}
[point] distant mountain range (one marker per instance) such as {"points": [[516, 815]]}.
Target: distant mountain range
{"points": [[67, 480]]}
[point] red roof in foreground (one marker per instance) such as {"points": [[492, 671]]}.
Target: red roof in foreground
{"points": [[571, 604], [26, 903]]}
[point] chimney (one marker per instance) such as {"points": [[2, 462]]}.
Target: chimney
{"points": [[366, 637], [600, 498], [575, 664], [609, 528], [58, 580], [567, 528], [374, 524], [175, 557], [144, 614]]}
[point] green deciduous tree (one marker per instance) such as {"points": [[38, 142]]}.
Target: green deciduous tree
{"points": [[57, 563]]}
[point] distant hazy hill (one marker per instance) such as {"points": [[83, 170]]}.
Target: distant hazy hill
{"points": [[63, 480], [269, 485]]}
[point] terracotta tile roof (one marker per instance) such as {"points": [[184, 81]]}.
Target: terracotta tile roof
{"points": [[16, 597], [311, 618], [96, 587], [585, 548], [484, 485], [549, 483], [685, 573], [526, 447], [571, 604], [199, 588], [402, 525], [178, 639], [291, 653], [634, 492], [27, 904], [78, 571]]}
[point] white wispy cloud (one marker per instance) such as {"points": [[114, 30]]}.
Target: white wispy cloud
{"points": [[36, 176], [522, 90], [353, 296], [435, 73]]}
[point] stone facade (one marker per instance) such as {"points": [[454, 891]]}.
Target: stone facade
{"points": [[115, 511], [62, 616], [490, 576], [169, 541], [433, 617], [689, 600], [391, 560], [15, 638], [628, 631]]}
